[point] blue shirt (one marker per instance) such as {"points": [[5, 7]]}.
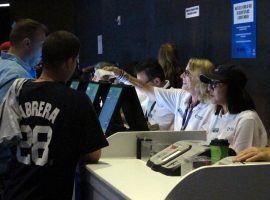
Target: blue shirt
{"points": [[11, 68]]}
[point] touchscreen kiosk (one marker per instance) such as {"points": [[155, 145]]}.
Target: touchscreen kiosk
{"points": [[74, 84], [97, 92], [91, 90], [110, 106], [125, 97]]}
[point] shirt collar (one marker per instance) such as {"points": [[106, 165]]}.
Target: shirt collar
{"points": [[167, 85], [8, 56]]}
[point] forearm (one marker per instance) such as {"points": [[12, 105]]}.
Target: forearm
{"points": [[123, 76], [143, 87], [92, 157]]}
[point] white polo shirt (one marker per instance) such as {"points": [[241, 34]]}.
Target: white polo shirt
{"points": [[143, 99], [242, 130], [160, 114], [176, 101]]}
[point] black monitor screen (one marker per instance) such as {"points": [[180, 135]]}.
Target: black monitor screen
{"points": [[109, 107], [74, 84], [92, 90]]}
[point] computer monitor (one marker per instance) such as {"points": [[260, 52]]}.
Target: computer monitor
{"points": [[74, 84], [125, 97], [91, 90], [97, 92], [110, 106]]}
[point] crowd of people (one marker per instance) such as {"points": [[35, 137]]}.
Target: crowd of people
{"points": [[46, 128]]}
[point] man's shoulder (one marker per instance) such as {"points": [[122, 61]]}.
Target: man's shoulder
{"points": [[10, 67]]}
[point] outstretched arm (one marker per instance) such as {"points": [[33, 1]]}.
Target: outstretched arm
{"points": [[125, 77]]}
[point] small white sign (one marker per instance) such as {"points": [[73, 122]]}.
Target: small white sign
{"points": [[243, 12], [100, 45], [193, 12]]}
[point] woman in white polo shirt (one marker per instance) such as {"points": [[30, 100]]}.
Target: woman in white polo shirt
{"points": [[235, 118], [189, 104]]}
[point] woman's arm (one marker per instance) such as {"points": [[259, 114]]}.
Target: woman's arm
{"points": [[122, 76]]}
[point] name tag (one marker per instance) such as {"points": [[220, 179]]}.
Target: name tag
{"points": [[230, 129], [215, 130], [198, 117]]}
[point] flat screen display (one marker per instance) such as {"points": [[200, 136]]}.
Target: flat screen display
{"points": [[109, 107], [92, 90], [74, 85]]}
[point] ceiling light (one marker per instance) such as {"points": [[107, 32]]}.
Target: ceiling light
{"points": [[4, 5]]}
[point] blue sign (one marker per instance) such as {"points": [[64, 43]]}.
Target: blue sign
{"points": [[244, 29]]}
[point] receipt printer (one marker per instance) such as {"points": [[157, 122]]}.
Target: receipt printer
{"points": [[169, 160]]}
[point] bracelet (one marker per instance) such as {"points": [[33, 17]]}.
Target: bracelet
{"points": [[122, 77]]}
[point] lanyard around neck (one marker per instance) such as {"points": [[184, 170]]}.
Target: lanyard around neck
{"points": [[147, 114], [188, 113]]}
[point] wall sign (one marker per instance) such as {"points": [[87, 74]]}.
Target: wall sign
{"points": [[244, 29], [99, 44], [193, 12]]}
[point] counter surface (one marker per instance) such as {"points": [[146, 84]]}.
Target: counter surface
{"points": [[133, 179]]}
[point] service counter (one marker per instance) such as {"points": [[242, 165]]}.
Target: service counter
{"points": [[119, 175]]}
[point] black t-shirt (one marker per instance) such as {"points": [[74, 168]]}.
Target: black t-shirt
{"points": [[58, 125]]}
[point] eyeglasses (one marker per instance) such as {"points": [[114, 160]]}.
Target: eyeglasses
{"points": [[186, 73], [215, 84]]}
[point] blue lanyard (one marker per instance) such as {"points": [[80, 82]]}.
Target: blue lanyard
{"points": [[188, 113], [186, 120], [151, 109]]}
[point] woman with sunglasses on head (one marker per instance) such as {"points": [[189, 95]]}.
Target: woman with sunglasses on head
{"points": [[235, 118], [189, 104]]}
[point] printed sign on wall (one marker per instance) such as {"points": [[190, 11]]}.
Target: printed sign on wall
{"points": [[100, 44], [193, 12], [244, 29]]}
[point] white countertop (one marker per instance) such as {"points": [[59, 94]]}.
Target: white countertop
{"points": [[133, 178]]}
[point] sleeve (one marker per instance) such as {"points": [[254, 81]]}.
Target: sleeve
{"points": [[244, 134], [10, 113], [169, 98], [91, 135], [6, 84]]}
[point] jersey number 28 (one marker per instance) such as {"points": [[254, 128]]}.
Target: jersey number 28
{"points": [[34, 145]]}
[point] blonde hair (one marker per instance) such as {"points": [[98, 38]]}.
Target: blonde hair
{"points": [[197, 67]]}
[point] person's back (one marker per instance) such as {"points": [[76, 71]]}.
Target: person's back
{"points": [[55, 120], [23, 55], [57, 126], [26, 40], [10, 69]]}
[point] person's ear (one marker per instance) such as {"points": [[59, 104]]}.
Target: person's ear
{"points": [[26, 43], [156, 81], [70, 62]]}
